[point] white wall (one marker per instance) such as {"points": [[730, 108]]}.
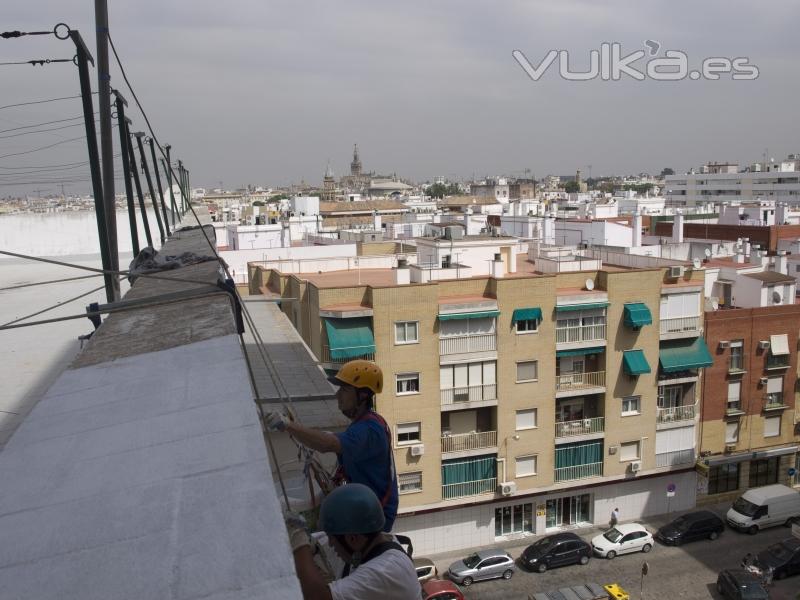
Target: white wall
{"points": [[237, 259]]}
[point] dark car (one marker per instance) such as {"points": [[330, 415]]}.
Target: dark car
{"points": [[690, 527], [783, 558], [556, 550], [738, 584]]}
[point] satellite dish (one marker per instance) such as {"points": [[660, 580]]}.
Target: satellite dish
{"points": [[590, 285], [776, 298], [707, 252], [696, 263]]}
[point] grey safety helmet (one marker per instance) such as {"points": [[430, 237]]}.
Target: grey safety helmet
{"points": [[351, 508]]}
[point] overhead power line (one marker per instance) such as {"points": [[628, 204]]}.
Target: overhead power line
{"points": [[40, 101], [80, 117]]}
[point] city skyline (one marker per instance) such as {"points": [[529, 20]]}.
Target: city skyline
{"points": [[268, 94]]}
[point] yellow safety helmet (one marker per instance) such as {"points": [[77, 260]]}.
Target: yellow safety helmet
{"points": [[360, 374]]}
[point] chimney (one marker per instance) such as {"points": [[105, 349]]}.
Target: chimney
{"points": [[780, 213], [286, 235], [782, 263], [637, 229], [376, 221], [740, 257], [498, 266], [402, 274], [747, 247], [677, 227]]}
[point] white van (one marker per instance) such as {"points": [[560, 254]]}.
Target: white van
{"points": [[764, 507]]}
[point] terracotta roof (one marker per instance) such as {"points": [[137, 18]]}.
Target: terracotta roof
{"points": [[334, 207], [771, 277], [467, 200]]}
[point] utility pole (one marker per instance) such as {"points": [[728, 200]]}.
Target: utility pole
{"points": [[106, 141], [135, 173], [122, 121], [84, 58], [169, 181], [139, 135]]}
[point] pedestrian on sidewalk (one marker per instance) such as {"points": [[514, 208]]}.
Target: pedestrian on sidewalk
{"points": [[614, 518]]}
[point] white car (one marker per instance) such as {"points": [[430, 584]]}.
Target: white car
{"points": [[623, 539]]}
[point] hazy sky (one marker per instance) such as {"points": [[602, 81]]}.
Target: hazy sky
{"points": [[265, 92]]}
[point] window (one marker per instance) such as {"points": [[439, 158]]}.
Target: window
{"points": [[732, 432], [468, 381], [734, 395], [764, 472], [517, 518], [408, 433], [777, 362], [737, 356], [465, 327], [528, 326], [407, 383], [406, 332], [525, 466], [631, 405], [527, 418], [629, 451], [775, 391], [724, 478], [409, 482], [772, 426], [527, 370]]}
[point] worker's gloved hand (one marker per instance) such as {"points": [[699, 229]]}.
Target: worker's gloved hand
{"points": [[276, 420], [297, 530]]}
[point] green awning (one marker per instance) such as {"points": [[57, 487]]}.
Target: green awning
{"points": [[350, 338], [527, 314], [637, 314], [634, 362], [570, 307], [680, 355], [579, 351], [469, 315]]}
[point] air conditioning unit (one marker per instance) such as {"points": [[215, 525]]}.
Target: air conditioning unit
{"points": [[508, 487], [730, 447], [724, 344], [763, 344], [763, 380], [418, 450], [636, 466], [675, 272]]}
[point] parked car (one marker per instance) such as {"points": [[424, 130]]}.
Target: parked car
{"points": [[623, 539], [692, 526], [764, 507], [486, 564], [783, 558], [441, 589], [587, 591], [738, 584], [556, 550], [426, 570]]}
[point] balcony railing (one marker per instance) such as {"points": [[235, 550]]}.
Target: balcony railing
{"points": [[680, 324], [580, 427], [774, 400], [677, 457], [579, 471], [580, 333], [577, 381], [469, 488], [474, 393], [777, 362], [484, 342], [468, 441], [736, 363], [671, 414], [368, 354]]}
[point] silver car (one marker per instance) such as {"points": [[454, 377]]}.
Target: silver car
{"points": [[486, 564]]}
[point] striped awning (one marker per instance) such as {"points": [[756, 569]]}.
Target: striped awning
{"points": [[579, 351], [573, 307], [469, 315], [683, 355], [634, 362], [527, 314], [350, 338], [637, 315]]}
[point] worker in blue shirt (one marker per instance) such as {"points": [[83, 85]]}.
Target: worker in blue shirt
{"points": [[364, 449]]}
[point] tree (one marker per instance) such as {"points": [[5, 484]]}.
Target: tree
{"points": [[667, 171], [572, 187], [440, 190], [258, 203]]}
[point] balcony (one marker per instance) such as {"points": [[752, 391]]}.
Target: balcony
{"points": [[462, 395], [484, 342], [580, 333], [462, 442], [774, 401], [680, 327], [452, 491], [579, 472], [580, 427], [673, 414], [676, 457], [577, 382], [363, 352], [777, 362]]}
